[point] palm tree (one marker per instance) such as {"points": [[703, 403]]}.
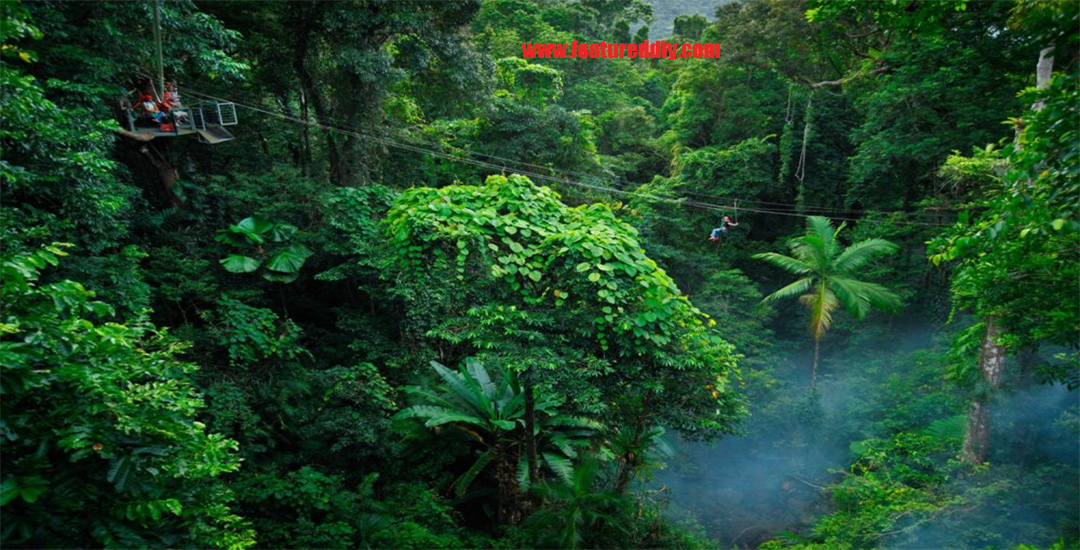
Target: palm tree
{"points": [[827, 277]]}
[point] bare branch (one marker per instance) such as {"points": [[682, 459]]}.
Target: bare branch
{"points": [[137, 137], [846, 79]]}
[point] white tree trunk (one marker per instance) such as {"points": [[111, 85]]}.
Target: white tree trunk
{"points": [[991, 368], [1043, 72]]}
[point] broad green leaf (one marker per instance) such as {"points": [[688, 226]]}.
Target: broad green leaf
{"points": [[255, 225], [234, 238], [276, 277], [9, 489], [290, 259], [235, 263], [118, 473], [504, 424], [281, 232], [32, 488]]}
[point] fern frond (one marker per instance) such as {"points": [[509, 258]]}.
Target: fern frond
{"points": [[561, 466]]}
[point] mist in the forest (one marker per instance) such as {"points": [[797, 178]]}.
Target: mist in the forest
{"points": [[1031, 426], [745, 490]]}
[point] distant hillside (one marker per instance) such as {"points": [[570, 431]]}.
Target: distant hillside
{"points": [[665, 12]]}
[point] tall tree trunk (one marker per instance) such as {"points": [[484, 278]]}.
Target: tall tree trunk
{"points": [[991, 366], [817, 358], [310, 92], [1043, 71], [360, 108], [305, 135], [991, 354], [508, 512]]}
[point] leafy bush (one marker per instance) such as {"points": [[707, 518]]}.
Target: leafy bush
{"points": [[99, 430]]}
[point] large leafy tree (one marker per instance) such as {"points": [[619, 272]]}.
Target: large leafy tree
{"points": [[828, 278], [1024, 233], [564, 296]]}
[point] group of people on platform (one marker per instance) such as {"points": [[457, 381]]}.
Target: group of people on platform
{"points": [[166, 112]]}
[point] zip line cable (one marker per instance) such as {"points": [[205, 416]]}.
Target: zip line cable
{"points": [[539, 176], [766, 204], [536, 175], [763, 204]]}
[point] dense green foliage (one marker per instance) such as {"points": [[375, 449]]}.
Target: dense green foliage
{"points": [[101, 441], [435, 295]]}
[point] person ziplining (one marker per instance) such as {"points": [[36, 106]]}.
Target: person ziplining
{"points": [[724, 225]]}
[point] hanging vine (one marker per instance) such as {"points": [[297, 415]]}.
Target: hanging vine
{"points": [[787, 137], [800, 171]]}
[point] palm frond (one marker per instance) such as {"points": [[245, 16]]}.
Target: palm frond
{"points": [[787, 263], [948, 428], [860, 296], [822, 229], [564, 444], [858, 254], [437, 416], [857, 304], [794, 289], [810, 250], [479, 373], [659, 446], [461, 389]]}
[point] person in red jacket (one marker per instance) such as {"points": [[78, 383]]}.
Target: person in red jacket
{"points": [[171, 104], [149, 108]]}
